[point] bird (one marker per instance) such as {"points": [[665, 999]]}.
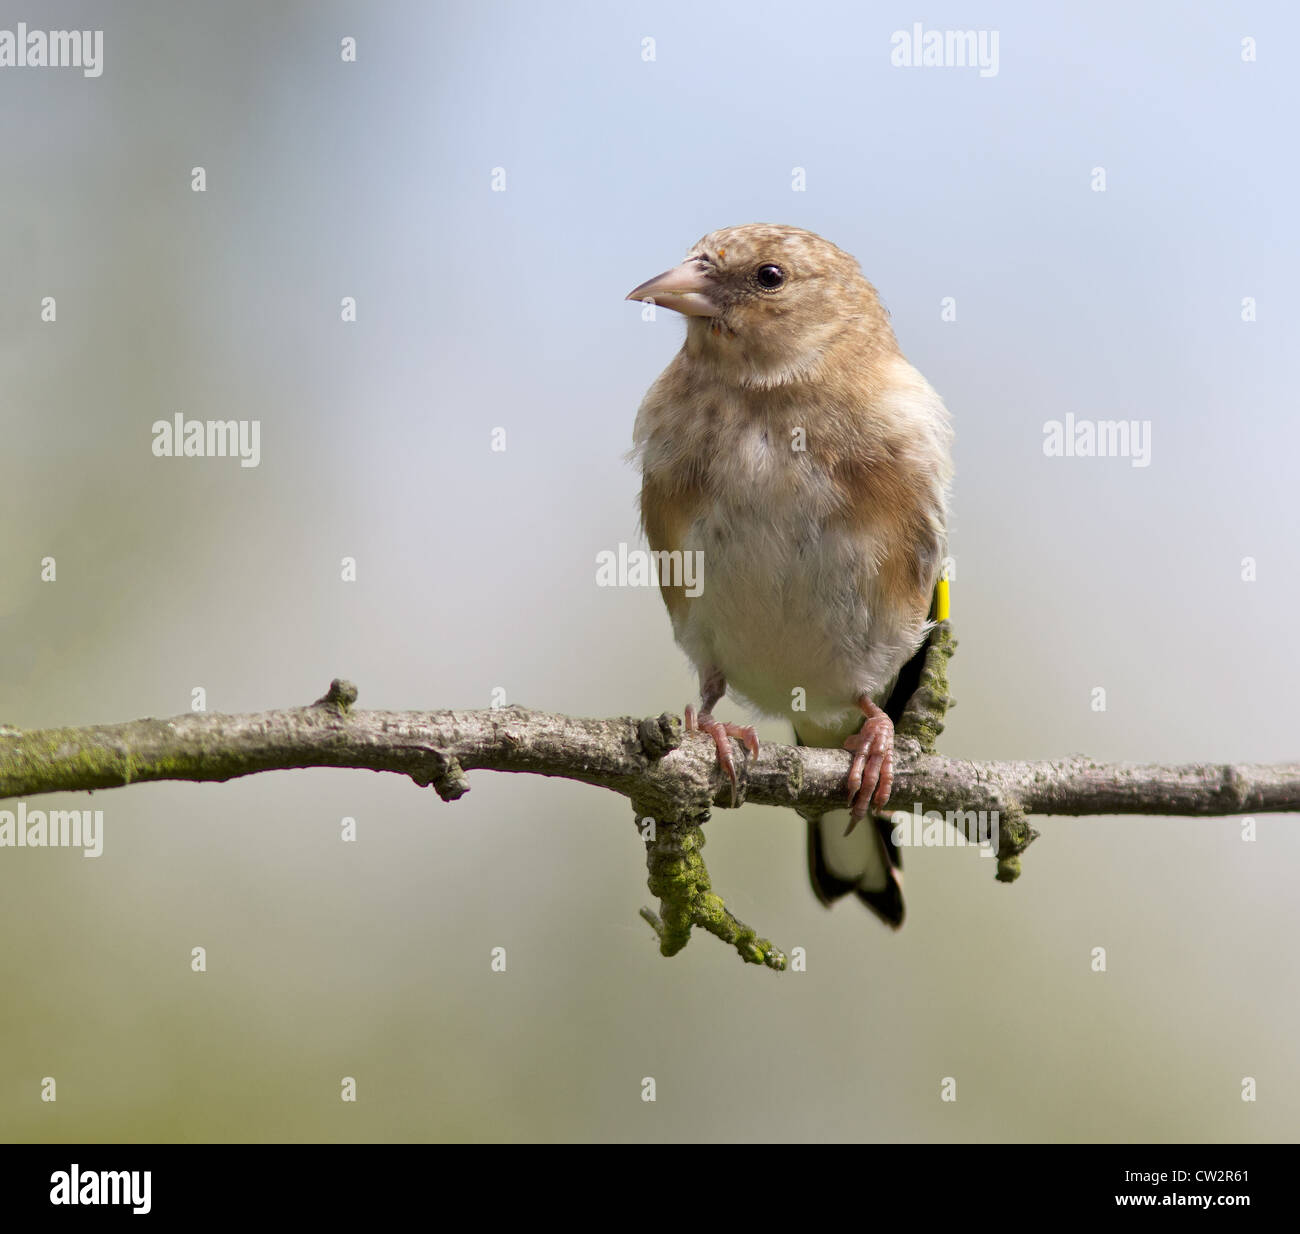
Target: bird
{"points": [[792, 447]]}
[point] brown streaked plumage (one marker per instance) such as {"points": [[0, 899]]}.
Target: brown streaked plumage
{"points": [[792, 445]]}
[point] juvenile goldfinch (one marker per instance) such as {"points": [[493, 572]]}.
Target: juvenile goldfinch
{"points": [[792, 445]]}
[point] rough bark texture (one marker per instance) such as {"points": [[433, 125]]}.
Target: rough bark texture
{"points": [[672, 782]]}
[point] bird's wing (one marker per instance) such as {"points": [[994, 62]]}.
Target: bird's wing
{"points": [[894, 471], [668, 509]]}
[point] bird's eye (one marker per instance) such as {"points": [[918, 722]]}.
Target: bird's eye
{"points": [[769, 277]]}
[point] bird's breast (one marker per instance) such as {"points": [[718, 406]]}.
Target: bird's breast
{"points": [[783, 608]]}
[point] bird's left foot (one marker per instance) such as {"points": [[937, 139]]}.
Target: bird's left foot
{"points": [[722, 734], [871, 773]]}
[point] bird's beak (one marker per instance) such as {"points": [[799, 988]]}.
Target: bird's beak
{"points": [[685, 289]]}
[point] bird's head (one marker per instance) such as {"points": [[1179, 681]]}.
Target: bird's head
{"points": [[766, 303]]}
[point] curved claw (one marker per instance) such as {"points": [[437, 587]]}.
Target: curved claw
{"points": [[871, 773], [722, 733]]}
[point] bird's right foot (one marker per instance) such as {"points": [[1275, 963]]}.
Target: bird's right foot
{"points": [[722, 733]]}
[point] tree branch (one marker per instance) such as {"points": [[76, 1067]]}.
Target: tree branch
{"points": [[672, 779]]}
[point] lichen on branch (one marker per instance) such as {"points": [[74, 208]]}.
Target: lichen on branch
{"points": [[667, 774]]}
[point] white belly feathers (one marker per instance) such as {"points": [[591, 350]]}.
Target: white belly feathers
{"points": [[786, 601]]}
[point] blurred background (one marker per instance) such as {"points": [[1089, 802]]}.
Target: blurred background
{"points": [[483, 309]]}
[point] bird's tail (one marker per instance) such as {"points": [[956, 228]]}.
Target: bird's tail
{"points": [[866, 863]]}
